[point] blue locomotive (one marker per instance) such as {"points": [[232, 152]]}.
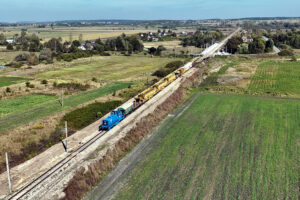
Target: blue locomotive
{"points": [[115, 117]]}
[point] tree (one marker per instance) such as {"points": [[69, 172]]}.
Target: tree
{"points": [[46, 55], [80, 38], [121, 44], [55, 45], [269, 45], [2, 39], [243, 49], [233, 43], [33, 59], [70, 37], [159, 50], [76, 43], [257, 46], [9, 47], [98, 41], [152, 50]]}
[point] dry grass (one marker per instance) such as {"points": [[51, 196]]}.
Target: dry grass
{"points": [[84, 180]]}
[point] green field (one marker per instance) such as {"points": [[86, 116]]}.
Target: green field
{"points": [[277, 78], [22, 103], [6, 81], [24, 113], [109, 69], [223, 147]]}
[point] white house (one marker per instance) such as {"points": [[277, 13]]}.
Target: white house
{"points": [[82, 48], [10, 40]]}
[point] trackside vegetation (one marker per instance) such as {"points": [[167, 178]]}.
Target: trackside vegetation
{"points": [[223, 147], [82, 117]]}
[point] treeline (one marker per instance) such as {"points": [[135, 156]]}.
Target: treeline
{"points": [[170, 67], [68, 51], [292, 38], [201, 39], [257, 46], [124, 43]]}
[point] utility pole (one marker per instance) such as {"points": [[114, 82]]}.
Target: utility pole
{"points": [[66, 129], [62, 98], [8, 174]]}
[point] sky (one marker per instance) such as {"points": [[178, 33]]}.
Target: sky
{"points": [[54, 10]]}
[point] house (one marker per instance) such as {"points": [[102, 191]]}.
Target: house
{"points": [[247, 38], [82, 47], [10, 40]]}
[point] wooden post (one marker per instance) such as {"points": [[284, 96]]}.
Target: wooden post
{"points": [[62, 98], [66, 129], [8, 174]]}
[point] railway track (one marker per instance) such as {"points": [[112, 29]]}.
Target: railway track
{"points": [[28, 188]]}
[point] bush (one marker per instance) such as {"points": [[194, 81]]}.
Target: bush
{"points": [[170, 67], [22, 57], [8, 90], [82, 117], [94, 79], [286, 52], [73, 86], [293, 58], [44, 82], [10, 47], [31, 86], [38, 126], [33, 59], [27, 84]]}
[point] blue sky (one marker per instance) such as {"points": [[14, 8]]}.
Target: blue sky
{"points": [[50, 10]]}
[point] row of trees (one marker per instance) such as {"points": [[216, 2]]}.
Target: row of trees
{"points": [[257, 46], [124, 43], [291, 38], [23, 42], [200, 39]]}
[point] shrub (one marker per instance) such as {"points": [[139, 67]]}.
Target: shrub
{"points": [[10, 47], [286, 52], [44, 82], [73, 86], [293, 58], [33, 59], [82, 117], [22, 57], [94, 79], [31, 86], [38, 126], [27, 84], [8, 90]]}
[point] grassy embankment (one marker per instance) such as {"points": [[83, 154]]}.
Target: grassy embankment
{"points": [[224, 147]]}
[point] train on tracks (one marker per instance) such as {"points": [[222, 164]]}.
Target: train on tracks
{"points": [[116, 116]]}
